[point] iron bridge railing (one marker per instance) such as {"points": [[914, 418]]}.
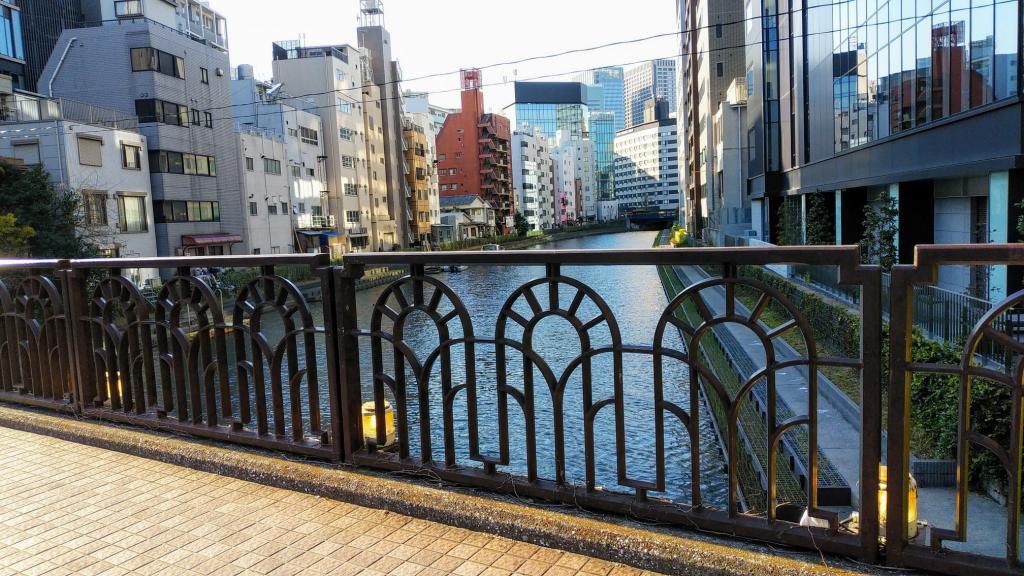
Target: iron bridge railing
{"points": [[478, 404]]}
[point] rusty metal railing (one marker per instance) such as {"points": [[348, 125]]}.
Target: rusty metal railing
{"points": [[994, 333], [262, 365]]}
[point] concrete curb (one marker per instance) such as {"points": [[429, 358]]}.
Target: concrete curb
{"points": [[648, 548]]}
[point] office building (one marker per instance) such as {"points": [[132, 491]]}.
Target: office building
{"points": [[647, 167], [606, 92], [474, 155], [386, 75], [551, 106], [12, 49], [42, 22], [338, 81], [714, 57], [534, 178], [647, 81], [281, 161], [169, 64], [903, 103], [100, 156]]}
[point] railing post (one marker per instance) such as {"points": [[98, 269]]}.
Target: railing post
{"points": [[898, 450], [349, 386], [326, 273], [78, 333], [871, 409]]}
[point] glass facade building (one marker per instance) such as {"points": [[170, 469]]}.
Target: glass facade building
{"points": [[551, 106], [602, 133], [900, 64], [12, 43]]}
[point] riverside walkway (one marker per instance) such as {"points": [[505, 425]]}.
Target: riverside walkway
{"points": [[67, 508]]}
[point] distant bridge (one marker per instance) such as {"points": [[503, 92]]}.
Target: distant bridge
{"points": [[650, 219]]}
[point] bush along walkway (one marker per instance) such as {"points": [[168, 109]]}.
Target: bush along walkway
{"points": [[839, 457]]}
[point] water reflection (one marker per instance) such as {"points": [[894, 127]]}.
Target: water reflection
{"points": [[635, 298]]}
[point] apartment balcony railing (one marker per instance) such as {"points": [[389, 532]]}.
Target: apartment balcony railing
{"points": [[314, 222], [469, 402], [18, 109]]}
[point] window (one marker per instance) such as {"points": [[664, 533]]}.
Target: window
{"points": [[169, 211], [131, 156], [27, 152], [149, 110], [346, 134], [719, 69], [196, 120], [302, 207], [309, 136], [310, 172], [441, 157], [253, 209], [131, 214], [271, 166], [718, 30], [95, 208], [215, 250], [272, 209], [167, 162], [208, 119], [344, 106], [350, 189], [453, 172], [249, 164], [352, 216], [348, 162], [128, 8], [10, 29], [204, 75], [90, 151], [339, 74], [153, 60], [296, 172], [454, 187], [284, 208]]}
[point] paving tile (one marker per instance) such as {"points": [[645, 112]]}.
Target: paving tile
{"points": [[69, 509]]}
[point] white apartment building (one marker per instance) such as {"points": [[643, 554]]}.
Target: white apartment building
{"points": [[281, 161], [585, 169], [647, 167], [334, 76], [533, 178], [728, 205], [567, 187], [106, 163]]}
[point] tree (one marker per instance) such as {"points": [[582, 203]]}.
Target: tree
{"points": [[821, 229], [787, 230], [14, 239], [36, 203], [881, 224], [522, 226]]}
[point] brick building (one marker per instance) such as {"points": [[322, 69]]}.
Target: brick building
{"points": [[474, 153]]}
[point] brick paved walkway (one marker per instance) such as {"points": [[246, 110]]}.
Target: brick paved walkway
{"points": [[68, 508]]}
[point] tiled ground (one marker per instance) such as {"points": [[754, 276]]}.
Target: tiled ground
{"points": [[72, 509]]}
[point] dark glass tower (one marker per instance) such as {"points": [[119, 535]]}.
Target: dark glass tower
{"points": [[42, 22]]}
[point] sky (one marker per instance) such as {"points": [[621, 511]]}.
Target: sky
{"points": [[442, 36]]}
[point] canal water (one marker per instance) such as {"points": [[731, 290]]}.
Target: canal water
{"points": [[635, 296]]}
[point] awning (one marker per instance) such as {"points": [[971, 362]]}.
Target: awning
{"points": [[208, 239]]}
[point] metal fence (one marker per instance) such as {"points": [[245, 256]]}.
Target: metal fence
{"points": [[260, 369]]}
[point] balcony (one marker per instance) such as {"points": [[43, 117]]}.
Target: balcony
{"points": [[20, 108], [313, 222]]}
